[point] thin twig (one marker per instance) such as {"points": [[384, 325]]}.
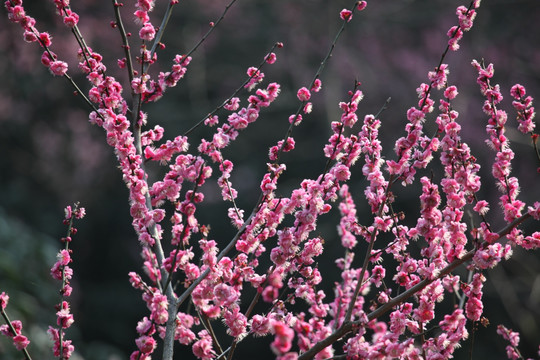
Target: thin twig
{"points": [[442, 58], [125, 41], [240, 88], [208, 326], [159, 34], [212, 28]]}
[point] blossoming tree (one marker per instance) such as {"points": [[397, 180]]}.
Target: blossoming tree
{"points": [[213, 294]]}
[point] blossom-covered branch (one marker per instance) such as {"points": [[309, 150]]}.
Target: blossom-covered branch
{"points": [[266, 279]]}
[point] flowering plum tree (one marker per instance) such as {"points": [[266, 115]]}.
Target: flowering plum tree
{"points": [[396, 276]]}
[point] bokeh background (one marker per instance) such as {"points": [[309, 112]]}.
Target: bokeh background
{"points": [[51, 156]]}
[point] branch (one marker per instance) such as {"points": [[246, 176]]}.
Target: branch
{"points": [[349, 327], [125, 40], [213, 112], [223, 252], [12, 329], [212, 27]]}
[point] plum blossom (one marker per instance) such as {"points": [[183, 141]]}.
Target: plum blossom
{"points": [[513, 338], [346, 15], [159, 307], [317, 85], [146, 344], [523, 105], [20, 342], [58, 68], [4, 298], [236, 322], [283, 338], [147, 32], [303, 94], [202, 348], [271, 58], [438, 78], [64, 317]]}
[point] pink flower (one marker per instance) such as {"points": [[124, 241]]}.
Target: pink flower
{"points": [[268, 184], [146, 344], [232, 105], [147, 32], [159, 307], [260, 325], [509, 335], [349, 119], [53, 333], [58, 68], [45, 39], [361, 5], [6, 330], [80, 213], [202, 348], [439, 76], [4, 298], [303, 94], [296, 119], [283, 338], [64, 317], [66, 290], [141, 16], [236, 321], [451, 92], [137, 355], [63, 257], [518, 91], [524, 108], [256, 76], [317, 85], [481, 207], [271, 58], [67, 349], [455, 34], [17, 13], [20, 342], [122, 63], [145, 326], [29, 36], [346, 15], [466, 17], [377, 274], [474, 308], [225, 294], [145, 5], [71, 19], [534, 211], [425, 311]]}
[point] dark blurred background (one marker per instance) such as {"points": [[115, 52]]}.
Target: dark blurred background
{"points": [[52, 156]]}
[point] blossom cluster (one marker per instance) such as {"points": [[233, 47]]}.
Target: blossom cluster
{"points": [[12, 329], [513, 338], [17, 14], [272, 262], [62, 348]]}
